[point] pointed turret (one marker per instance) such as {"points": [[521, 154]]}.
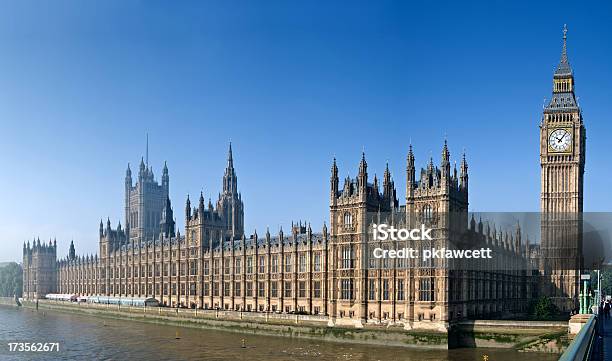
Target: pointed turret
{"points": [[142, 170], [363, 165], [188, 209], [167, 225], [410, 172], [464, 173], [165, 178], [362, 177], [387, 186], [128, 176], [201, 205], [375, 183], [334, 180], [71, 251], [445, 163]]}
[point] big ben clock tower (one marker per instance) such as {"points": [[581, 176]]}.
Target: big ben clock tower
{"points": [[562, 157]]}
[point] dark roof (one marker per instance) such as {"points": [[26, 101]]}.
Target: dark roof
{"points": [[562, 101]]}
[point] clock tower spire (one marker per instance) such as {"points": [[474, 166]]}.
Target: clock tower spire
{"points": [[562, 143], [562, 158]]}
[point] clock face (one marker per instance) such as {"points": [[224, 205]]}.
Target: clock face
{"points": [[560, 140]]}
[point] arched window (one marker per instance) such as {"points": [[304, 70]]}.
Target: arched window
{"points": [[193, 237], [427, 214], [348, 219]]}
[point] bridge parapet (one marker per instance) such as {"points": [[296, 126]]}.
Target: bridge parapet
{"points": [[581, 348]]}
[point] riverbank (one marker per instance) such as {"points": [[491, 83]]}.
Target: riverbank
{"points": [[525, 336], [494, 334], [8, 301]]}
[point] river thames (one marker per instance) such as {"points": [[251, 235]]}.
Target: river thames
{"points": [[91, 338]]}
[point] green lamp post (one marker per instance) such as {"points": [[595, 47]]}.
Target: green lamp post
{"points": [[585, 298]]}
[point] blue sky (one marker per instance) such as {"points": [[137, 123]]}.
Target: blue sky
{"points": [[291, 84]]}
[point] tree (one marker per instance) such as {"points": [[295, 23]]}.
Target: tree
{"points": [[544, 309], [605, 279], [606, 282], [11, 280]]}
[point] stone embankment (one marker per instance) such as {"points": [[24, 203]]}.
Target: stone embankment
{"points": [[521, 335]]}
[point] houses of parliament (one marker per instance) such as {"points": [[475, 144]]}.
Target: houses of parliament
{"points": [[215, 264]]}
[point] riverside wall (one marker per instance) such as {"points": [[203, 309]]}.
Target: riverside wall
{"points": [[8, 301], [521, 335]]}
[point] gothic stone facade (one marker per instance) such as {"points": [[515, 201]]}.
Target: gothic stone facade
{"points": [[413, 293], [144, 202], [330, 273], [39, 269]]}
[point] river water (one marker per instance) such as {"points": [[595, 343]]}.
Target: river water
{"points": [[91, 338]]}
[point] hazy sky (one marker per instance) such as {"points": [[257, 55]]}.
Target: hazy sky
{"points": [[291, 83]]}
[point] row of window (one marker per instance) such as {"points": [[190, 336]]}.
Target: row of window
{"points": [[426, 289], [171, 289], [192, 252], [347, 259], [481, 289], [171, 269]]}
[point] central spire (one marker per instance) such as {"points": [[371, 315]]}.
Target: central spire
{"points": [[230, 158], [564, 66], [229, 178]]}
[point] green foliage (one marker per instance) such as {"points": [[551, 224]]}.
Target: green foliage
{"points": [[11, 280], [606, 281], [543, 309]]}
